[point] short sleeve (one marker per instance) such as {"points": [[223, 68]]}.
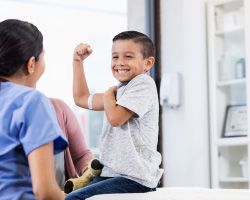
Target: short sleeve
{"points": [[137, 96], [38, 125]]}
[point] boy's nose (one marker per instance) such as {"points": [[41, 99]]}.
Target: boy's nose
{"points": [[120, 62]]}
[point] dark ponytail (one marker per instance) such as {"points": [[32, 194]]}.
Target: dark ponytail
{"points": [[19, 41]]}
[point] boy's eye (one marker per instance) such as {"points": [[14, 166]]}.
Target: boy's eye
{"points": [[114, 57], [128, 56]]}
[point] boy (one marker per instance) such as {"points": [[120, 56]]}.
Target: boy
{"points": [[130, 129]]}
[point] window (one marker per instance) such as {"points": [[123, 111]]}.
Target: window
{"points": [[64, 24]]}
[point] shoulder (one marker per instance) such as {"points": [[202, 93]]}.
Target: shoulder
{"points": [[59, 105], [142, 78], [26, 93], [30, 100], [141, 82], [57, 102], [23, 95], [24, 99], [35, 97]]}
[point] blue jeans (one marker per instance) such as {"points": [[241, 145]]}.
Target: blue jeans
{"points": [[108, 185]]}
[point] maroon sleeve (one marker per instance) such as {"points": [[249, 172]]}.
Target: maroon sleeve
{"points": [[77, 154]]}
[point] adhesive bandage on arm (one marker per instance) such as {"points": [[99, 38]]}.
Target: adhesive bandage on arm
{"points": [[90, 102]]}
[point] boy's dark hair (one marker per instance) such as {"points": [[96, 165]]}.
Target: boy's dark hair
{"points": [[146, 43], [19, 40]]}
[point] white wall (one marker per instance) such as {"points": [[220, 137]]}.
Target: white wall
{"points": [[185, 130], [137, 15], [64, 24]]}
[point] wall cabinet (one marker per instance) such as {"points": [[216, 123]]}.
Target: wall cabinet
{"points": [[228, 37]]}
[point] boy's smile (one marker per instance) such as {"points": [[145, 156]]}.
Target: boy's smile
{"points": [[127, 60]]}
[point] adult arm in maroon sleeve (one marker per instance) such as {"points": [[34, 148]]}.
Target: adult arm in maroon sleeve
{"points": [[77, 155]]}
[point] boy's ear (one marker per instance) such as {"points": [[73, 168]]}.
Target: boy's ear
{"points": [[150, 61], [31, 64]]}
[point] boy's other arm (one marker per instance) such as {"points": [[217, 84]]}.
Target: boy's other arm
{"points": [[116, 114], [80, 86]]}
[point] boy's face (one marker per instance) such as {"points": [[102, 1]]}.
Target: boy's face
{"points": [[127, 60]]}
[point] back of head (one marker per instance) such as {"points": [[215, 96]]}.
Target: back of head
{"points": [[147, 46], [19, 41]]}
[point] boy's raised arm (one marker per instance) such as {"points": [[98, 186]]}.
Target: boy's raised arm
{"points": [[80, 86]]}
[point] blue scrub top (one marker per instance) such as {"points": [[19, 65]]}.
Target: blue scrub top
{"points": [[27, 121]]}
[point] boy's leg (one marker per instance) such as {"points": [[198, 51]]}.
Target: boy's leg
{"points": [[107, 186]]}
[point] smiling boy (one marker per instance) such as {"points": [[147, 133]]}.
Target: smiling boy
{"points": [[130, 129]]}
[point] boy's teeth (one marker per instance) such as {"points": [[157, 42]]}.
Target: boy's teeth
{"points": [[122, 70]]}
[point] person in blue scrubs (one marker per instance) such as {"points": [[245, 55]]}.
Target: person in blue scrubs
{"points": [[29, 130]]}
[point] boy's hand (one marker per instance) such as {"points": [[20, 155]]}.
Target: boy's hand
{"points": [[81, 52], [111, 92]]}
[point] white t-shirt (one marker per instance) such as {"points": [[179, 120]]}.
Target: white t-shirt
{"points": [[131, 149]]}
